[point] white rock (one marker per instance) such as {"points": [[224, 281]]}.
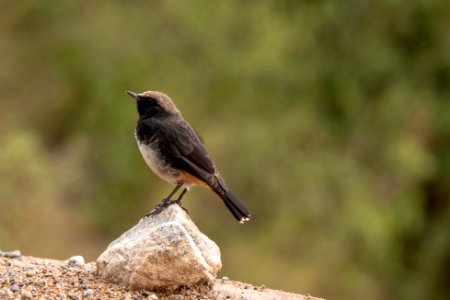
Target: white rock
{"points": [[76, 261], [162, 251], [88, 293], [12, 254]]}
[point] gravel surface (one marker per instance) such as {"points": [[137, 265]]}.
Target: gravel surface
{"points": [[23, 277]]}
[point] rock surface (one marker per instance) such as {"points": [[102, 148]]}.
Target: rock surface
{"points": [[162, 251], [55, 279]]}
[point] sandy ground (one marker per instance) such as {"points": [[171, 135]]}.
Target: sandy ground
{"points": [[25, 277]]}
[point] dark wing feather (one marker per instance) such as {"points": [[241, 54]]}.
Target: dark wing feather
{"points": [[187, 148]]}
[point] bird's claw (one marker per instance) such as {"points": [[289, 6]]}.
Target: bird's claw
{"points": [[164, 204]]}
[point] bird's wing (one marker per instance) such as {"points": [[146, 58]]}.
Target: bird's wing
{"points": [[188, 150]]}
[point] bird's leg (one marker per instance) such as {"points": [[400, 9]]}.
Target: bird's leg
{"points": [[165, 202], [178, 201]]}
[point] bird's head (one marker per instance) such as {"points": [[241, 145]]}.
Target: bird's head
{"points": [[154, 104]]}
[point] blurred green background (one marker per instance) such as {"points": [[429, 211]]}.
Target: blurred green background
{"points": [[329, 119]]}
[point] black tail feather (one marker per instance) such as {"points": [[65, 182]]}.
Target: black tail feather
{"points": [[239, 211]]}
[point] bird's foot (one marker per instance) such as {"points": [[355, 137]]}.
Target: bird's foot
{"points": [[178, 201], [160, 207], [164, 204]]}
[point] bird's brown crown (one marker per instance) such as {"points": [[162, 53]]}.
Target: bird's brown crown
{"points": [[162, 99]]}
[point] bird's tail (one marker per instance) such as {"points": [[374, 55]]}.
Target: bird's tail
{"points": [[239, 211]]}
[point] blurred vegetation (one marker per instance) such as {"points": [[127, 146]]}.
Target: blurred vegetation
{"points": [[330, 120]]}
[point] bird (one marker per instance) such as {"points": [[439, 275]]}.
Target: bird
{"points": [[175, 153]]}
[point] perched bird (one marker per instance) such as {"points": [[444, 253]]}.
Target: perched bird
{"points": [[174, 152]]}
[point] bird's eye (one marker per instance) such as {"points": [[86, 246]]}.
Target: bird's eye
{"points": [[145, 100], [151, 100]]}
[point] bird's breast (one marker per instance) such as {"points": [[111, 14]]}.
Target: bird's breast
{"points": [[157, 163]]}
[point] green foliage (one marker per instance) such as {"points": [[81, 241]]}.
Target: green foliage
{"points": [[330, 119]]}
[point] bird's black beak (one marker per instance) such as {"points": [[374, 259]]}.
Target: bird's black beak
{"points": [[132, 94]]}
